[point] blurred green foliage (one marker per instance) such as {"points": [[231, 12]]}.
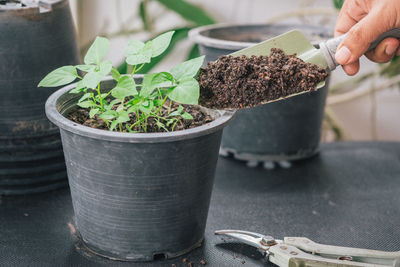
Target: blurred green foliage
{"points": [[193, 15], [338, 3]]}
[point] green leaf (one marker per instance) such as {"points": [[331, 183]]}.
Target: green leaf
{"points": [[132, 109], [148, 49], [97, 51], [86, 68], [158, 102], [93, 112], [138, 59], [147, 87], [161, 126], [115, 74], [123, 116], [84, 97], [177, 112], [86, 104], [108, 115], [145, 109], [109, 106], [160, 43], [125, 87], [134, 47], [162, 79], [138, 53], [120, 108], [78, 88], [113, 124], [187, 92], [105, 67], [180, 34], [60, 76], [187, 116], [188, 11], [92, 79], [187, 69]]}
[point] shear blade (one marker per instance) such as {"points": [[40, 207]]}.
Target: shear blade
{"points": [[249, 238]]}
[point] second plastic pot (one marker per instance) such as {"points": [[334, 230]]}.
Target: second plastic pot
{"points": [[138, 196], [284, 130]]}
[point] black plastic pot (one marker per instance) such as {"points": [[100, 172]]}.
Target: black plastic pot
{"points": [[280, 131], [138, 196], [34, 40]]}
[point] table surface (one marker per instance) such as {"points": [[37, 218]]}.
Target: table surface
{"points": [[348, 195]]}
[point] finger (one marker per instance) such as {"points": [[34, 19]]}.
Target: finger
{"points": [[359, 37], [384, 51], [350, 14], [344, 24], [352, 68]]}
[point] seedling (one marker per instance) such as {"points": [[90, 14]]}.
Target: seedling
{"points": [[130, 106]]}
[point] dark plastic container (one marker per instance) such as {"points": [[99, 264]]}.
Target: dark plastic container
{"points": [[280, 131], [138, 196], [34, 40]]}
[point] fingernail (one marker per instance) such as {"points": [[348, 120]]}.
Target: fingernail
{"points": [[343, 55], [389, 50]]}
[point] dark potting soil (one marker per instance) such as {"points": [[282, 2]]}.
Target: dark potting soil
{"points": [[81, 116], [239, 82]]}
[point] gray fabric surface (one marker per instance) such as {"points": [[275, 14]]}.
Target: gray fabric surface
{"points": [[348, 195]]}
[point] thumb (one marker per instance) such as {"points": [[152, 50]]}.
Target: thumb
{"points": [[359, 37]]}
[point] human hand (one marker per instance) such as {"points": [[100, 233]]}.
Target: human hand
{"points": [[364, 21]]}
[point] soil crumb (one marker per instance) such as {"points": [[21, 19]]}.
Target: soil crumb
{"points": [[81, 116], [239, 82]]}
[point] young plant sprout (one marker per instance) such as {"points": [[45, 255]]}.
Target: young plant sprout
{"points": [[129, 106]]}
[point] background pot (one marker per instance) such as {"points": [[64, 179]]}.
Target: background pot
{"points": [[138, 196], [33, 42], [284, 130]]}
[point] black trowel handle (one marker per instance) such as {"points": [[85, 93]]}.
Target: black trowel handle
{"points": [[329, 47]]}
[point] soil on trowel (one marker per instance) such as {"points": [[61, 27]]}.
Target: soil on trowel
{"points": [[239, 82], [81, 116]]}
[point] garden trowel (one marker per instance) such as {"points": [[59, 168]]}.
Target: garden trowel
{"points": [[294, 42]]}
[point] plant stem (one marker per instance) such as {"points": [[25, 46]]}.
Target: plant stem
{"points": [[169, 108], [133, 71], [136, 69], [100, 98], [162, 104], [141, 66], [173, 126]]}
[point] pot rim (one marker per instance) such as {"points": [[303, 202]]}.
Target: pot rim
{"points": [[63, 123], [35, 8], [196, 35]]}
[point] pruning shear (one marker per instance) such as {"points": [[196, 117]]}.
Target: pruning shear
{"points": [[302, 252]]}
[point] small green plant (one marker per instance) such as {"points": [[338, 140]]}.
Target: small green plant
{"points": [[129, 106]]}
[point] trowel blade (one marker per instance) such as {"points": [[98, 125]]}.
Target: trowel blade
{"points": [[292, 42]]}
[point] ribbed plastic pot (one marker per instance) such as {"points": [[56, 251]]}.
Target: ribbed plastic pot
{"points": [[138, 196], [34, 40], [284, 130]]}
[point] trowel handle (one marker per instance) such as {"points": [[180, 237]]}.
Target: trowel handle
{"points": [[329, 47]]}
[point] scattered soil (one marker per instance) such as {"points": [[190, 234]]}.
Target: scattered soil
{"points": [[239, 82], [189, 263], [81, 116]]}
